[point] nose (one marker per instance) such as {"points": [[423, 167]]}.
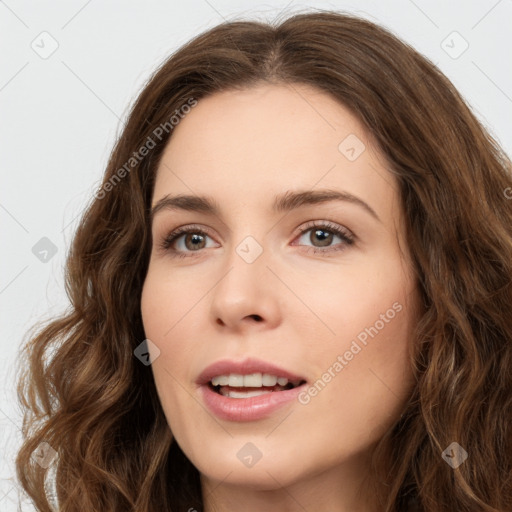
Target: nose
{"points": [[247, 295]]}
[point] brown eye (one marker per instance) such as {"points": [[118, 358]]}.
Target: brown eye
{"points": [[194, 241], [185, 240], [323, 235]]}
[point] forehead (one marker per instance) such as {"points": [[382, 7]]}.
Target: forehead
{"points": [[256, 143], [287, 120]]}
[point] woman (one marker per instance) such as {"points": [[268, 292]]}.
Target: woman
{"points": [[341, 338]]}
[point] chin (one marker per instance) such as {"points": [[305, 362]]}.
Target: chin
{"points": [[263, 475], [262, 479]]}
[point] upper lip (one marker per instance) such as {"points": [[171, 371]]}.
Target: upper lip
{"points": [[245, 367]]}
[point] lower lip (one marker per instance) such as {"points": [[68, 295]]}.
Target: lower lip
{"points": [[248, 409]]}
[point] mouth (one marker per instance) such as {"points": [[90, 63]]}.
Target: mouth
{"points": [[255, 384], [247, 390], [247, 378]]}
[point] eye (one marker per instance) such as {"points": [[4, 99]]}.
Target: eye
{"points": [[185, 241], [192, 238], [324, 233]]}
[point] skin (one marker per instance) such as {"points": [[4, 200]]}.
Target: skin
{"points": [[243, 148]]}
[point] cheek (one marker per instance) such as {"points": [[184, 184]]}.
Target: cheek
{"points": [[165, 302], [162, 310], [171, 303], [160, 318], [369, 312], [368, 296]]}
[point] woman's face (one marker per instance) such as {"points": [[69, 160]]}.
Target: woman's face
{"points": [[333, 305]]}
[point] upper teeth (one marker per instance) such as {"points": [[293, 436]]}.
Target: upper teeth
{"points": [[253, 380]]}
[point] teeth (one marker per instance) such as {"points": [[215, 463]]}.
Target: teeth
{"points": [[236, 393], [236, 380], [244, 394], [269, 380], [253, 380]]}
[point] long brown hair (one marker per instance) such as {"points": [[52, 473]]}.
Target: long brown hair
{"points": [[91, 400]]}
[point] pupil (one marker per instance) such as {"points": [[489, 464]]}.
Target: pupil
{"points": [[193, 239], [324, 239]]}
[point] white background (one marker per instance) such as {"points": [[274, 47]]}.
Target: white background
{"points": [[60, 116]]}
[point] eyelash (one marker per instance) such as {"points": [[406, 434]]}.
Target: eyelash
{"points": [[348, 239]]}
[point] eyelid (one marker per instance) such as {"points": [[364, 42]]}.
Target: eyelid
{"points": [[328, 226], [164, 243]]}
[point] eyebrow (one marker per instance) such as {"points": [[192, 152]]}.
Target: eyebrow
{"points": [[286, 202]]}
